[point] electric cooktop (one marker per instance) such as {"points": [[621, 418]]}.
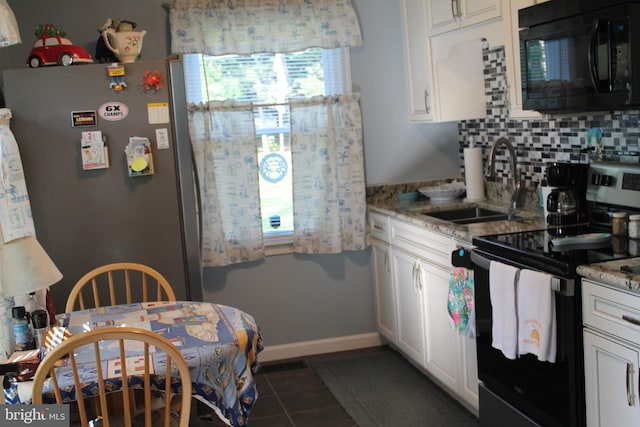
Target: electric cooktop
{"points": [[556, 250]]}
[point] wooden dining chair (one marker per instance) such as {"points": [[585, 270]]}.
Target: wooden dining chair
{"points": [[148, 343], [125, 282]]}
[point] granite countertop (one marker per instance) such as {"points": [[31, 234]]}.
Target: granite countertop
{"points": [[610, 274], [383, 200], [413, 212]]}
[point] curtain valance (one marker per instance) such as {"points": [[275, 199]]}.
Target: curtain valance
{"points": [[220, 27]]}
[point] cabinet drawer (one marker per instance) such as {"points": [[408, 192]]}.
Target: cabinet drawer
{"points": [[437, 246], [379, 225], [615, 312]]}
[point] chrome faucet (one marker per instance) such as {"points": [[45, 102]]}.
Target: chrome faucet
{"points": [[516, 182]]}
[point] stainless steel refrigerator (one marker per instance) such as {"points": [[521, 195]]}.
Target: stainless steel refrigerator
{"points": [[86, 218]]}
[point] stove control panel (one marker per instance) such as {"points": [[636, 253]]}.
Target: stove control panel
{"points": [[603, 180], [631, 181], [615, 184]]}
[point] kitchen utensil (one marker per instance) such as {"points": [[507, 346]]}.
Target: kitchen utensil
{"points": [[581, 241], [561, 205]]}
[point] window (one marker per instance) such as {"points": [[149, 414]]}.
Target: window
{"points": [[268, 81]]}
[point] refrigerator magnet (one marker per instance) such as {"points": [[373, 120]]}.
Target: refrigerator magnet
{"points": [[94, 153], [117, 80], [83, 118], [139, 156], [152, 80], [113, 111]]}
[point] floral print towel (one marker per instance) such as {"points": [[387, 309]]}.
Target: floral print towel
{"points": [[460, 302]]}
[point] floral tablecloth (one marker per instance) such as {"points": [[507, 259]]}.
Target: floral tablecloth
{"points": [[220, 344]]}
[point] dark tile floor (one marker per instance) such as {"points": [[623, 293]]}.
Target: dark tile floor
{"points": [[291, 395]]}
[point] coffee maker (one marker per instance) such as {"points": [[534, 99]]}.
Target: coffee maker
{"points": [[566, 203]]}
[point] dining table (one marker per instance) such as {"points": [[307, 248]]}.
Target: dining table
{"points": [[220, 344]]}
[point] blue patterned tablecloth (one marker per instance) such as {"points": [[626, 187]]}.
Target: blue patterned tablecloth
{"points": [[220, 344]]}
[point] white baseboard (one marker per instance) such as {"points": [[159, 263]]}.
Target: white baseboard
{"points": [[329, 345]]}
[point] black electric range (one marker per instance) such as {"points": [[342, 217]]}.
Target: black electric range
{"points": [[545, 250], [526, 392]]}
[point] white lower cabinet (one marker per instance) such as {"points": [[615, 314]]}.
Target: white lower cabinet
{"points": [[409, 306], [611, 375], [419, 285], [443, 351], [612, 355], [385, 294], [469, 378]]}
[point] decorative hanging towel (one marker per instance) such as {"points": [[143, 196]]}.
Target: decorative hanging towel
{"points": [[460, 302], [15, 209], [460, 299]]}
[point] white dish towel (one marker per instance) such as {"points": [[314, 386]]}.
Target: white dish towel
{"points": [[502, 292], [536, 315]]}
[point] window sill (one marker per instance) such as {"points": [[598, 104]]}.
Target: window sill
{"points": [[280, 249], [279, 244]]}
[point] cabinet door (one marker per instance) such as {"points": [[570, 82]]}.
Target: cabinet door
{"points": [[379, 225], [611, 382], [385, 295], [477, 11], [442, 16], [448, 15], [418, 60], [458, 76], [442, 343], [512, 52], [410, 333], [469, 374]]}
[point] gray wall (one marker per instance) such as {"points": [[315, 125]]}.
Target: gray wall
{"points": [[395, 150], [293, 297]]}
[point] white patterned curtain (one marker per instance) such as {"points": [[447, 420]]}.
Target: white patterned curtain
{"points": [[328, 175], [224, 146], [221, 27]]}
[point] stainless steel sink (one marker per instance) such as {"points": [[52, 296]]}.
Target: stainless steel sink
{"points": [[468, 215]]}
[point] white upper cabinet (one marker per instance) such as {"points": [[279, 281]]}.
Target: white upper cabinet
{"points": [[446, 72], [512, 52], [458, 75], [418, 58], [447, 15]]}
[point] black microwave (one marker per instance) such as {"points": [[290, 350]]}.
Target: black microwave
{"points": [[578, 55]]}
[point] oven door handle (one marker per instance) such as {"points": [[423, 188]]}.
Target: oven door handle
{"points": [[480, 261], [565, 287]]}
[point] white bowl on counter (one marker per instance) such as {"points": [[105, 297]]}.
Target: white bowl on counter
{"points": [[444, 192]]}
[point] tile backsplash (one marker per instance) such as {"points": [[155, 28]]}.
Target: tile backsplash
{"points": [[611, 135]]}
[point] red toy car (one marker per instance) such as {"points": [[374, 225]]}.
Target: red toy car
{"points": [[57, 50]]}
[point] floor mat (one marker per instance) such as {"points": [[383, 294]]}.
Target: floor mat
{"points": [[382, 389]]}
